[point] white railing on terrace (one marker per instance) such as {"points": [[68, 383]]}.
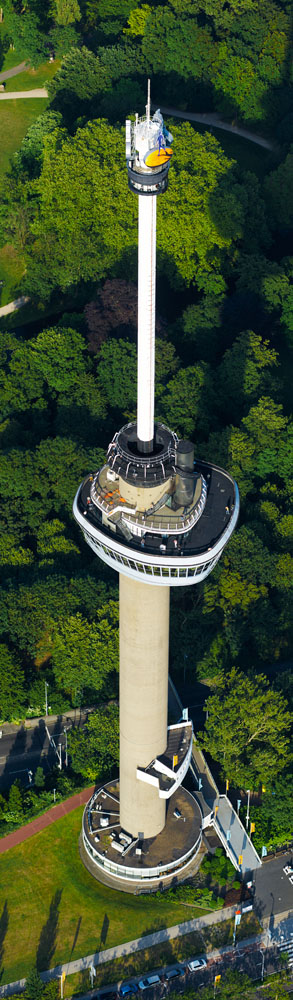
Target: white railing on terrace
{"points": [[159, 524]]}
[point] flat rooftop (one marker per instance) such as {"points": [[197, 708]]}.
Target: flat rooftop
{"points": [[181, 831], [217, 513]]}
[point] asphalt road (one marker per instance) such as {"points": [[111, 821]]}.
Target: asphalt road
{"points": [[24, 750], [255, 962], [273, 891]]}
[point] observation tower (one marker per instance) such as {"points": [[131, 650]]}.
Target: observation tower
{"points": [[161, 519]]}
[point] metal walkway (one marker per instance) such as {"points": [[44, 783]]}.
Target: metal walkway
{"points": [[234, 837], [217, 810]]}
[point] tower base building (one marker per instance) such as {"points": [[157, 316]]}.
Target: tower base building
{"points": [[161, 519]]}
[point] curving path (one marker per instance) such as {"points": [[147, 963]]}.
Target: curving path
{"points": [[12, 306], [215, 120], [8, 73]]}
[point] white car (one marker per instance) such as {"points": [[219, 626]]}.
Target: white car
{"points": [[144, 984], [196, 963], [288, 870]]}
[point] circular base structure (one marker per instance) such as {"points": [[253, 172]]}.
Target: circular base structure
{"points": [[115, 857]]}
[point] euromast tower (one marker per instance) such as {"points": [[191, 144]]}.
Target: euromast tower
{"points": [[161, 520]]}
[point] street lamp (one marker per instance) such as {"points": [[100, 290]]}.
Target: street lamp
{"points": [[66, 749], [247, 811]]}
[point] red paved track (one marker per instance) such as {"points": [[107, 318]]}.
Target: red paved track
{"points": [[36, 825]]}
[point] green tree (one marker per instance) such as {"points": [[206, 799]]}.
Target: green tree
{"points": [[12, 692], [97, 227], [117, 373], [80, 74], [15, 804], [52, 540], [85, 654], [39, 780], [247, 730], [186, 404], [273, 819], [34, 986], [25, 30], [278, 192], [29, 157], [245, 373], [58, 356], [95, 748], [66, 11]]}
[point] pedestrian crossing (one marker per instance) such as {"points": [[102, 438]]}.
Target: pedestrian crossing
{"points": [[286, 948]]}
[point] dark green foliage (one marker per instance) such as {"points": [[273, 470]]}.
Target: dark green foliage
{"points": [[95, 749], [247, 730], [273, 820], [39, 779], [12, 693], [34, 986], [15, 803]]}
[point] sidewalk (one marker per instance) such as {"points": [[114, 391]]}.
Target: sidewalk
{"points": [[41, 822], [76, 714], [140, 944], [17, 303], [8, 73], [16, 94]]}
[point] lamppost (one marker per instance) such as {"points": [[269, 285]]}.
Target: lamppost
{"points": [[66, 748], [247, 811]]}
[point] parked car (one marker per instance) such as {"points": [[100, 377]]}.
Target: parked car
{"points": [[172, 973], [144, 984], [196, 963], [128, 989]]}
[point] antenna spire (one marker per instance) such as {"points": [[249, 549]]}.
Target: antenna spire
{"points": [[148, 105]]}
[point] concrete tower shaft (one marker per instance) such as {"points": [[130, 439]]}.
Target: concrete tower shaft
{"points": [[143, 699]]}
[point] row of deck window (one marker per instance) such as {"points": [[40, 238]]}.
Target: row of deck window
{"points": [[148, 570]]}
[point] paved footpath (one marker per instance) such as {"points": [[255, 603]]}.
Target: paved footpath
{"points": [[16, 304], [215, 120], [41, 822], [16, 94], [8, 73]]}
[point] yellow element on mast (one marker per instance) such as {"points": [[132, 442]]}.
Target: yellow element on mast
{"points": [[157, 157]]}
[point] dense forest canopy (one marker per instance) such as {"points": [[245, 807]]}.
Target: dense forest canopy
{"points": [[223, 361]]}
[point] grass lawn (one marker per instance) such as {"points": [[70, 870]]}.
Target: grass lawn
{"points": [[30, 79], [53, 908], [16, 116], [15, 119], [11, 270]]}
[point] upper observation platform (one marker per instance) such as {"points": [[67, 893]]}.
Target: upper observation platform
{"points": [[148, 152], [162, 517]]}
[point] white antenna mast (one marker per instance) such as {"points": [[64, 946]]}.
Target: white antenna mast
{"points": [[148, 105]]}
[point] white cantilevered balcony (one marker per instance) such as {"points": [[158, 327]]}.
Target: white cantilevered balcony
{"points": [[167, 771]]}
